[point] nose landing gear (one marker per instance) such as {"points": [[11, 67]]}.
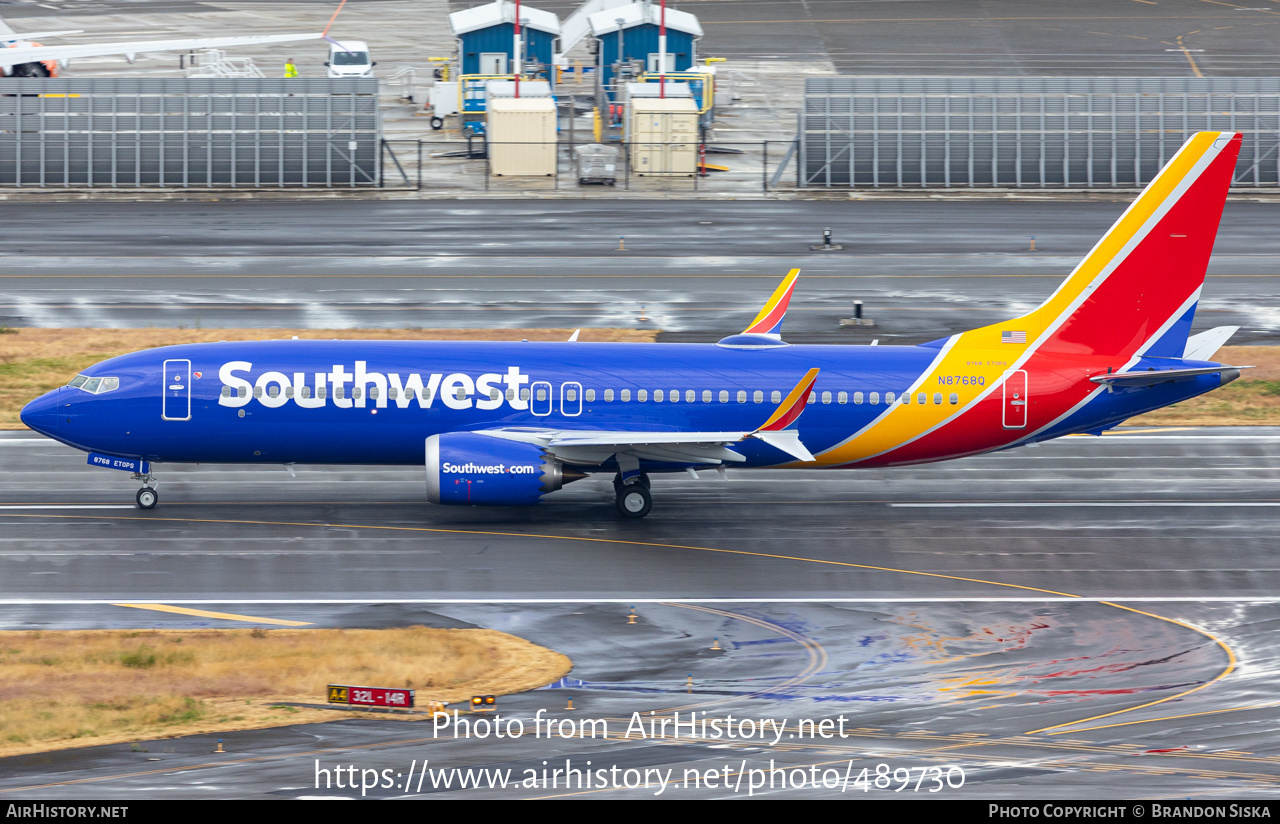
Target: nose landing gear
{"points": [[147, 497]]}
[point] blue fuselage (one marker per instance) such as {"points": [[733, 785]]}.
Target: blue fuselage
{"points": [[375, 402]]}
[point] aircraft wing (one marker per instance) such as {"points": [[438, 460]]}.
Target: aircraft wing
{"points": [[131, 48], [594, 446]]}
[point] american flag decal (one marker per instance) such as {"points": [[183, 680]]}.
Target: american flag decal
{"points": [[1013, 337]]}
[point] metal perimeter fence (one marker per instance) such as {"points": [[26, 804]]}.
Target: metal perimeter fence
{"points": [[900, 132], [468, 165], [174, 133]]}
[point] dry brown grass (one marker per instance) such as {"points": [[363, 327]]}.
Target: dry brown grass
{"points": [[101, 686], [1253, 400], [33, 361]]}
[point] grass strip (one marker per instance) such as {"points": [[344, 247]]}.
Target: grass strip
{"points": [[81, 688]]}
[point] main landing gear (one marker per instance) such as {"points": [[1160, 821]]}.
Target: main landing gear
{"points": [[147, 497], [633, 498]]}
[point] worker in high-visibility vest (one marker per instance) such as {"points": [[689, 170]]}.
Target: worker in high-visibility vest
{"points": [[290, 70]]}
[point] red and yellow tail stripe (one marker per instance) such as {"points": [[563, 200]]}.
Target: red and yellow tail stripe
{"points": [[1145, 271], [769, 321]]}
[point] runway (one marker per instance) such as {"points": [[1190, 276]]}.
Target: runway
{"points": [[1013, 615], [923, 270]]}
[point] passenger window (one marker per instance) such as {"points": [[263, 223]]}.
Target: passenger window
{"points": [[843, 397], [742, 396], [511, 394], [524, 394], [757, 396], [775, 396], [642, 395], [724, 396], [590, 395], [322, 392], [657, 396], [857, 398], [706, 395], [955, 399], [690, 396], [274, 391], [373, 393], [542, 394], [288, 391], [306, 391], [888, 398], [608, 396], [922, 399], [244, 391], [937, 398], [675, 396], [355, 392], [813, 397], [257, 392], [392, 392], [626, 395], [569, 395], [226, 391], [494, 395], [826, 397], [873, 398], [337, 392]]}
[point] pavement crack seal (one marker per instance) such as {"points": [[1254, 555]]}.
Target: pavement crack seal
{"points": [[1056, 729]]}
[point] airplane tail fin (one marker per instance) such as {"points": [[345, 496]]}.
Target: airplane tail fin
{"points": [[1135, 293]]}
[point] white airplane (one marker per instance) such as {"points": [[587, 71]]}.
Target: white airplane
{"points": [[21, 56]]}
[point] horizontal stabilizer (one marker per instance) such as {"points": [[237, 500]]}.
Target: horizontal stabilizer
{"points": [[1152, 377], [1204, 346]]}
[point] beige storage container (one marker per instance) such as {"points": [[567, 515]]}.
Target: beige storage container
{"points": [[521, 136], [663, 136]]}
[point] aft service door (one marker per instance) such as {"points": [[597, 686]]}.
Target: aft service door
{"points": [[177, 390], [1015, 399]]}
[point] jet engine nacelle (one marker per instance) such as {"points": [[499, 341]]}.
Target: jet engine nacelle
{"points": [[467, 468]]}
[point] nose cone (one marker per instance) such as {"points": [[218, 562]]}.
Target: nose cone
{"points": [[42, 414]]}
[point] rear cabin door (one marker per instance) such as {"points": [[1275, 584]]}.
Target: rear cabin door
{"points": [[1015, 399], [177, 391]]}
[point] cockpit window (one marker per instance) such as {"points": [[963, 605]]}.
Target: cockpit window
{"points": [[94, 386]]}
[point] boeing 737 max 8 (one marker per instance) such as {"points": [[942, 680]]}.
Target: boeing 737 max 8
{"points": [[508, 423]]}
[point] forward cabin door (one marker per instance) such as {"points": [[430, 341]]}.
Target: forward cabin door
{"points": [[177, 391], [1015, 399]]}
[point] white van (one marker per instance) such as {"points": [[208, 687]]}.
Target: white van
{"points": [[350, 58]]}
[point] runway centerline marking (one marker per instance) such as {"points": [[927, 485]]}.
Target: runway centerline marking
{"points": [[225, 616], [1231, 656]]}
